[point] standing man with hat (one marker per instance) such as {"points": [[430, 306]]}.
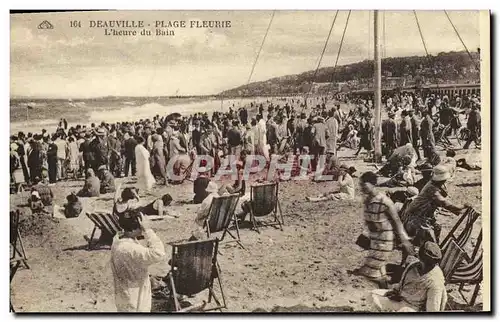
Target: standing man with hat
{"points": [[320, 133], [414, 131], [100, 149], [474, 127], [427, 134], [389, 135], [405, 129], [419, 217], [332, 126]]}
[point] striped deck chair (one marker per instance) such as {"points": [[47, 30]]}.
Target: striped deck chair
{"points": [[194, 268], [470, 272], [453, 254], [469, 218], [263, 202], [220, 215], [16, 242], [106, 222]]}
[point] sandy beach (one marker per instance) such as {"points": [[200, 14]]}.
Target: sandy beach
{"points": [[301, 268]]}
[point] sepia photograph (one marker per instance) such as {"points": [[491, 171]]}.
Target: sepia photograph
{"points": [[271, 161]]}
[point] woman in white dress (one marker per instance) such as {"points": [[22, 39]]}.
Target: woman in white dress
{"points": [[145, 178]]}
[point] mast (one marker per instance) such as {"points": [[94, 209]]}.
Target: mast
{"points": [[377, 82]]}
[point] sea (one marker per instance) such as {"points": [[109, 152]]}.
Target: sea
{"points": [[33, 115]]}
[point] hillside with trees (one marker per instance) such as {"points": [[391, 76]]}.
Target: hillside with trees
{"points": [[443, 68]]}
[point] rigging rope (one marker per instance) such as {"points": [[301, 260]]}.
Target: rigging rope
{"points": [[321, 56], [466, 49], [341, 43], [260, 49], [258, 54], [425, 46], [420, 31]]}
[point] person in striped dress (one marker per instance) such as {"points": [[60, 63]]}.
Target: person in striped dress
{"points": [[383, 224]]}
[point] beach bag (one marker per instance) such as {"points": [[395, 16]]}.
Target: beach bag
{"points": [[363, 241]]}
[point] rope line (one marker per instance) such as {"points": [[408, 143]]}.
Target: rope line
{"points": [[420, 32], [461, 40], [322, 54], [340, 47], [260, 49]]}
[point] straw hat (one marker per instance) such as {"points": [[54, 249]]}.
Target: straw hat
{"points": [[412, 191], [432, 250], [212, 187], [100, 132], [101, 168], [441, 173], [202, 169]]}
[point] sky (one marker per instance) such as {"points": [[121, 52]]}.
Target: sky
{"points": [[82, 62]]}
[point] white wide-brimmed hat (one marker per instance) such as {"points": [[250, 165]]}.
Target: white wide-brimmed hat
{"points": [[212, 187], [202, 169], [441, 173]]}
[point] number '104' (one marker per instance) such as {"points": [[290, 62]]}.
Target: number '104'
{"points": [[75, 24]]}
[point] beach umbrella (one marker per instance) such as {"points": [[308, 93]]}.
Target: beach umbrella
{"points": [[173, 116]]}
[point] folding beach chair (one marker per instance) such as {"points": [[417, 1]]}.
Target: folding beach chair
{"points": [[471, 272], [14, 266], [453, 254], [468, 218], [264, 201], [194, 268], [221, 213], [16, 242], [106, 222]]}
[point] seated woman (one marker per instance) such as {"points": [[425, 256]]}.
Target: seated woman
{"points": [[394, 162], [127, 200], [107, 180], [422, 286], [200, 185], [239, 186], [73, 208], [402, 198], [404, 177], [426, 171], [159, 207], [126, 203], [346, 191], [92, 185], [198, 230], [35, 202]]}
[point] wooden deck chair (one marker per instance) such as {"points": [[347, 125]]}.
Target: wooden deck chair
{"points": [[469, 218], [105, 222], [16, 242], [194, 268], [264, 201], [453, 254], [220, 215], [470, 273], [14, 266]]}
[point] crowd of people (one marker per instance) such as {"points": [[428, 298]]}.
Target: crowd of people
{"points": [[162, 151]]}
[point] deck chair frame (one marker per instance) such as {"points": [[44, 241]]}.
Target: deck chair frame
{"points": [[14, 266], [102, 221], [213, 245], [470, 273], [276, 208], [470, 216], [16, 241], [219, 220]]}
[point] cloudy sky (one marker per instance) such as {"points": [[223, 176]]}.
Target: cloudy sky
{"points": [[82, 62]]}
